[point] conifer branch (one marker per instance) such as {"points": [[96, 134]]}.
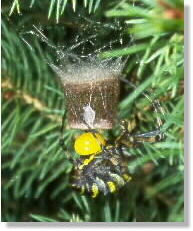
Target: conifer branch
{"points": [[28, 99]]}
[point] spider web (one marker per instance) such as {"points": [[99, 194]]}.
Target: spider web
{"points": [[78, 62]]}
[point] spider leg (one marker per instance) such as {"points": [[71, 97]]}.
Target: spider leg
{"points": [[116, 175], [131, 140], [151, 136], [158, 109], [61, 141]]}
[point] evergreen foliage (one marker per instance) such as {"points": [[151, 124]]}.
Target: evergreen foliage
{"points": [[35, 172]]}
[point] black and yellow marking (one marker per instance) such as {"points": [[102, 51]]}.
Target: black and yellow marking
{"points": [[95, 190], [114, 161], [152, 139], [86, 162], [105, 171], [119, 180], [126, 177], [112, 186], [101, 184]]}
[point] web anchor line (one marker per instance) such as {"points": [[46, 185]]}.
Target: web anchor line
{"points": [[158, 109]]}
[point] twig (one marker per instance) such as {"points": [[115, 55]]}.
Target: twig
{"points": [[28, 99]]}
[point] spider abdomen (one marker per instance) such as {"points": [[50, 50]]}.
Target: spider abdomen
{"points": [[102, 174]]}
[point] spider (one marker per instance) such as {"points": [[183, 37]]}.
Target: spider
{"points": [[103, 167]]}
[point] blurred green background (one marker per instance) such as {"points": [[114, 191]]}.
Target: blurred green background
{"points": [[35, 174]]}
